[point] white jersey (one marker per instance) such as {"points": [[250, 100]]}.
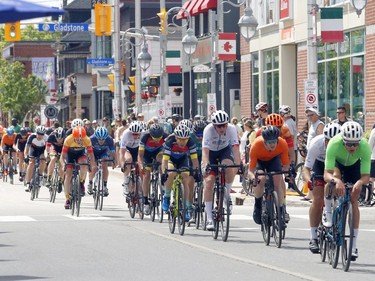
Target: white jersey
{"points": [[291, 124], [312, 132], [317, 151], [127, 140], [34, 142], [215, 142]]}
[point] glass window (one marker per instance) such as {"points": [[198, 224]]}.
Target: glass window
{"points": [[255, 79], [271, 78]]}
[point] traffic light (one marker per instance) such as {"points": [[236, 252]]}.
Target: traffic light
{"points": [[131, 84], [154, 81], [163, 21], [111, 86], [153, 90], [103, 20], [12, 31]]}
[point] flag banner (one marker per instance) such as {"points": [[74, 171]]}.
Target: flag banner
{"points": [[332, 26], [227, 47], [173, 61]]}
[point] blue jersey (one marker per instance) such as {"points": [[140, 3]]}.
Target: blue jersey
{"points": [[103, 150]]}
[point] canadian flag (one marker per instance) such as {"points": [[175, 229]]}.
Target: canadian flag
{"points": [[227, 46]]}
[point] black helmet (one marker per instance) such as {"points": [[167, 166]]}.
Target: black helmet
{"points": [[23, 132], [198, 127], [176, 117], [270, 133], [156, 131]]}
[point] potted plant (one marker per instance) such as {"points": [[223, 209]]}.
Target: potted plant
{"points": [[177, 91]]}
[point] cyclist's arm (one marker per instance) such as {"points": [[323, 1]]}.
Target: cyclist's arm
{"points": [[237, 156], [205, 154], [141, 153]]}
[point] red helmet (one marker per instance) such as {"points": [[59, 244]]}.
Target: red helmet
{"points": [[79, 132]]}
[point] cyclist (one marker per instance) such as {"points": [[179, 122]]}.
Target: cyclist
{"points": [[55, 143], [261, 112], [35, 147], [7, 143], [220, 144], [178, 148], [314, 163], [129, 145], [74, 148], [104, 148], [75, 123], [19, 146], [348, 159], [285, 113], [150, 149], [268, 152]]}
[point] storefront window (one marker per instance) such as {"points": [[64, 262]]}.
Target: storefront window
{"points": [[271, 78], [255, 79]]}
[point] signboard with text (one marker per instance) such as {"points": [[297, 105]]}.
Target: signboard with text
{"points": [[311, 92]]}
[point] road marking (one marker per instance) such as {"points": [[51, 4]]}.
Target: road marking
{"points": [[16, 219], [304, 217], [87, 217]]}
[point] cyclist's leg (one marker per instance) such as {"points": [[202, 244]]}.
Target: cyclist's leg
{"points": [[82, 159], [315, 214]]}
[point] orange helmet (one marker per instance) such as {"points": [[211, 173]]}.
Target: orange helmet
{"points": [[79, 132], [274, 120]]}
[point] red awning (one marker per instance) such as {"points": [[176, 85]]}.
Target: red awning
{"points": [[187, 6], [197, 8], [208, 5]]}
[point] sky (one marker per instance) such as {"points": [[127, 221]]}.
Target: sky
{"points": [[47, 3]]}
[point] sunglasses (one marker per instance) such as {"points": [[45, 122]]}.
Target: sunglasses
{"points": [[270, 141], [309, 115], [221, 126], [351, 144], [199, 135], [181, 140], [339, 112]]}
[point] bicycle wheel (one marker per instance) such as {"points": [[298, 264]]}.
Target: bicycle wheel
{"points": [[224, 220], [335, 243], [73, 195], [159, 202], [96, 190], [215, 208], [322, 242], [181, 210], [197, 205], [173, 212], [277, 220], [347, 236], [140, 201], [11, 172], [266, 220], [201, 212], [298, 185], [33, 186], [54, 186], [154, 210]]}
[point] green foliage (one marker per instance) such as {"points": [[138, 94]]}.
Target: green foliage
{"points": [[18, 94], [367, 134]]}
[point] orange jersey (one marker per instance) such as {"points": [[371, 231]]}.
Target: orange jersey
{"points": [[284, 133], [8, 140], [259, 152]]}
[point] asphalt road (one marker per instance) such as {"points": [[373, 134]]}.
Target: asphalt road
{"points": [[40, 240]]}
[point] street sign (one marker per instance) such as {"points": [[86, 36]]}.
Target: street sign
{"points": [[311, 92], [211, 104], [51, 111], [101, 61], [63, 27]]}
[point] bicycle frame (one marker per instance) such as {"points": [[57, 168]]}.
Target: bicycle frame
{"points": [[135, 198]]}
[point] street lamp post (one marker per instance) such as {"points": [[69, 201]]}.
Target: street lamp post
{"points": [[359, 5], [248, 24]]}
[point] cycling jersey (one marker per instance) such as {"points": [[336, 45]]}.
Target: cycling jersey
{"points": [[20, 142], [8, 140], [35, 143], [336, 152], [52, 141], [284, 133], [174, 152], [317, 151], [148, 144], [128, 141], [71, 145], [258, 151], [102, 150], [214, 142]]}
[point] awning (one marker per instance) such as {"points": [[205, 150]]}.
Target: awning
{"points": [[197, 8], [189, 5], [208, 5]]}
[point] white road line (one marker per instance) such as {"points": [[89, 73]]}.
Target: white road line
{"points": [[16, 219], [87, 217]]}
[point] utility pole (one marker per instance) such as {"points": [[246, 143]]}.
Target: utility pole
{"points": [[138, 71], [117, 56], [312, 62], [163, 49]]}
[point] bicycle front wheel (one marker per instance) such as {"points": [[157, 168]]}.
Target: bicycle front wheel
{"points": [[54, 186], [215, 213], [224, 220], [139, 196], [347, 236], [277, 220], [154, 204], [266, 220], [322, 242], [181, 210], [11, 172], [336, 240], [299, 184], [172, 213]]}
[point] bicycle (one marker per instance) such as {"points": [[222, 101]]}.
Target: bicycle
{"points": [[135, 199], [221, 210], [55, 180], [198, 205], [98, 190], [177, 207], [35, 181], [341, 234], [273, 222], [10, 172], [156, 192], [75, 192]]}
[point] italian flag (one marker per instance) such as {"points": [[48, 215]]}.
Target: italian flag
{"points": [[332, 29], [173, 61]]}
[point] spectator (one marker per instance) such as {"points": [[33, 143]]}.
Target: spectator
{"points": [[234, 121], [140, 117], [285, 112], [262, 113], [95, 124], [341, 115], [89, 129], [246, 140]]}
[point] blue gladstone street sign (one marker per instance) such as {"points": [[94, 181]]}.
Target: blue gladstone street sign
{"points": [[63, 27], [101, 61]]}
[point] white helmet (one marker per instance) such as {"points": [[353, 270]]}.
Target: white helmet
{"points": [[220, 117], [187, 123], [143, 125], [135, 127], [41, 130], [261, 106], [351, 131], [182, 131], [331, 129], [77, 122], [285, 109]]}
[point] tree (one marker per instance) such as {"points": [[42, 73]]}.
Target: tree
{"points": [[19, 95]]}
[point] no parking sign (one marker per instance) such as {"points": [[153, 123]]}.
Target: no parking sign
{"points": [[311, 92]]}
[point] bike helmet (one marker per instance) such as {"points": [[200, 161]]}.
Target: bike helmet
{"points": [[60, 134], [143, 125], [79, 132], [274, 119], [49, 131], [351, 131], [23, 132], [156, 131], [176, 117], [10, 131], [261, 106], [40, 130], [331, 129], [182, 131], [187, 123], [270, 133], [285, 109], [198, 127], [77, 122], [135, 127], [101, 133], [220, 117]]}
